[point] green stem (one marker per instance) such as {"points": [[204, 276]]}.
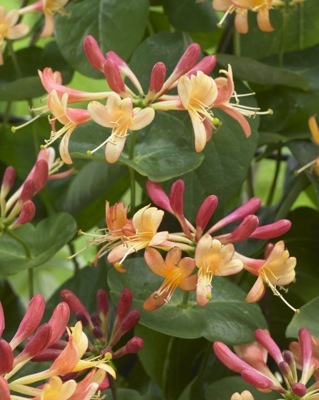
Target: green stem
{"points": [[75, 261], [22, 242], [132, 172], [165, 367], [184, 301], [237, 47], [14, 59], [6, 115], [275, 179], [31, 282], [113, 388], [250, 183], [281, 51]]}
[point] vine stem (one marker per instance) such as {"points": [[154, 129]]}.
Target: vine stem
{"points": [[113, 388], [14, 59], [275, 178], [132, 172]]}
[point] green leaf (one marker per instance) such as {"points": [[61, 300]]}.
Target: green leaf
{"points": [[295, 28], [203, 18], [227, 317], [30, 60], [254, 71], [307, 318], [43, 241], [116, 25], [224, 388]]}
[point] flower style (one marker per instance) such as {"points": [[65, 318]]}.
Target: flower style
{"points": [[70, 118], [251, 364], [48, 8], [9, 28], [212, 258], [121, 117], [176, 271], [278, 269], [198, 94]]}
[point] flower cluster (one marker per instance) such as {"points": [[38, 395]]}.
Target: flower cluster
{"points": [[210, 252], [12, 29], [131, 110], [241, 8], [39, 339], [19, 209], [250, 361]]}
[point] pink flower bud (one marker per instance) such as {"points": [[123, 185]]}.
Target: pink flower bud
{"points": [[74, 303], [176, 198], [158, 196], [28, 191], [188, 59], [306, 354], [26, 215], [4, 389], [243, 230], [204, 214], [113, 76], [256, 379], [269, 344], [93, 53], [30, 321], [47, 355], [6, 357], [299, 389], [58, 322], [36, 344], [40, 175], [132, 346], [7, 181], [130, 321], [273, 230], [2, 320], [96, 320], [102, 302], [98, 332], [286, 372], [228, 358], [157, 78], [240, 213], [206, 65], [124, 305]]}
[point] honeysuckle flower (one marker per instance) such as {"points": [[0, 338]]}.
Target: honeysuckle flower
{"points": [[103, 335], [245, 395], [198, 94], [19, 209], [212, 258], [277, 270], [119, 115], [177, 272], [48, 8], [241, 7], [9, 28], [70, 118], [251, 364]]}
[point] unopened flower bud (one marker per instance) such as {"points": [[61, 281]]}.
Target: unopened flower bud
{"points": [[256, 379], [7, 181], [96, 320], [206, 65], [98, 332], [30, 321], [75, 304], [58, 322], [2, 320], [6, 357], [188, 59], [102, 302], [36, 344], [28, 191], [204, 214], [81, 317], [130, 321], [124, 304], [244, 229], [93, 53], [4, 389], [286, 372], [273, 230], [299, 389], [40, 175], [132, 346], [113, 76], [290, 360], [157, 78], [26, 215]]}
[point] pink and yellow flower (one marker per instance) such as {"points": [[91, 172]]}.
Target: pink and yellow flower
{"points": [[177, 272], [9, 28], [119, 115]]}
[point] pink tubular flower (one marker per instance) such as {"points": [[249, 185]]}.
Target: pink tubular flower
{"points": [[176, 271], [251, 364], [10, 29], [121, 117]]}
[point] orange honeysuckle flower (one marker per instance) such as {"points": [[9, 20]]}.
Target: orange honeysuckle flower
{"points": [[70, 118], [9, 28], [213, 258], [226, 90], [278, 269], [48, 8], [198, 94], [56, 389], [145, 223], [119, 115], [176, 271]]}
